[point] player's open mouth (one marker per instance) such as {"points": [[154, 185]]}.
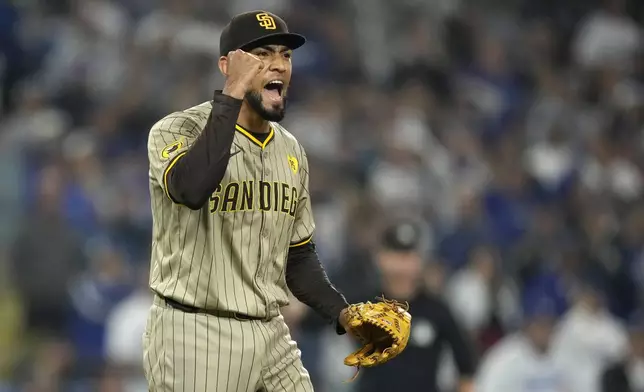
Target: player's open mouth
{"points": [[273, 90]]}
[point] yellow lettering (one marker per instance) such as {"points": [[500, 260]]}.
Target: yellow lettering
{"points": [[214, 199], [247, 195], [294, 201], [240, 196], [264, 196], [276, 192], [285, 198], [230, 197]]}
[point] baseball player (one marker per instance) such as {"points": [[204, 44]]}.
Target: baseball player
{"points": [[233, 228]]}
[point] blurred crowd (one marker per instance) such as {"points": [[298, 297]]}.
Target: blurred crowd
{"points": [[511, 129]]}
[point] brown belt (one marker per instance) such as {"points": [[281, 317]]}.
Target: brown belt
{"points": [[212, 312]]}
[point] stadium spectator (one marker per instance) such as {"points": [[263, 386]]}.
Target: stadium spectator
{"points": [[588, 338], [627, 375], [523, 361], [482, 298]]}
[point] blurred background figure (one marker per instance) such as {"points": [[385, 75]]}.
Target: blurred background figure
{"points": [[435, 332], [482, 298], [123, 327], [524, 361], [509, 132], [588, 338], [627, 374]]}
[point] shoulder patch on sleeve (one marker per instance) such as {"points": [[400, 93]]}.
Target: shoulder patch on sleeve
{"points": [[172, 147]]}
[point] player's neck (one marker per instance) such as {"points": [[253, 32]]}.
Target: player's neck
{"points": [[251, 120]]}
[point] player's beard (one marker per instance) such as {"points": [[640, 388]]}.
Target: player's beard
{"points": [[254, 99]]}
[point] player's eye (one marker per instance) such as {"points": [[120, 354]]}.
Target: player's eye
{"points": [[287, 55], [262, 54]]}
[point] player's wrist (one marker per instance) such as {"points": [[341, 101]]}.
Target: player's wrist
{"points": [[343, 319], [234, 90], [466, 385], [342, 324]]}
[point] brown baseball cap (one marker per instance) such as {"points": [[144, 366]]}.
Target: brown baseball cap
{"points": [[253, 29]]}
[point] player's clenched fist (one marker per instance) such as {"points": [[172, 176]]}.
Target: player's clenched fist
{"points": [[240, 69]]}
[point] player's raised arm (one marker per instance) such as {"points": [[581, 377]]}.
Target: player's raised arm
{"points": [[193, 171]]}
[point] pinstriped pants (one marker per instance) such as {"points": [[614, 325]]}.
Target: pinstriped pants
{"points": [[188, 352]]}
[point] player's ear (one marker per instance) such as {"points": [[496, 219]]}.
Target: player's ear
{"points": [[223, 65]]}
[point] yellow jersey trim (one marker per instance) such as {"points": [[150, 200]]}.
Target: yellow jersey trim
{"points": [[165, 175], [253, 138], [306, 241]]}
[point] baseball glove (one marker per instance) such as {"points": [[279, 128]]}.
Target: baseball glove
{"points": [[383, 329]]}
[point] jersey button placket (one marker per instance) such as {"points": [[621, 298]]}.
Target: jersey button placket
{"points": [[259, 275], [264, 241]]}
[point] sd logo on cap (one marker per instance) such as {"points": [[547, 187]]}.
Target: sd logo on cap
{"points": [[266, 21]]}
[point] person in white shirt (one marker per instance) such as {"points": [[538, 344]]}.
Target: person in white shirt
{"points": [[477, 292], [522, 361], [588, 338], [627, 375], [124, 328]]}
